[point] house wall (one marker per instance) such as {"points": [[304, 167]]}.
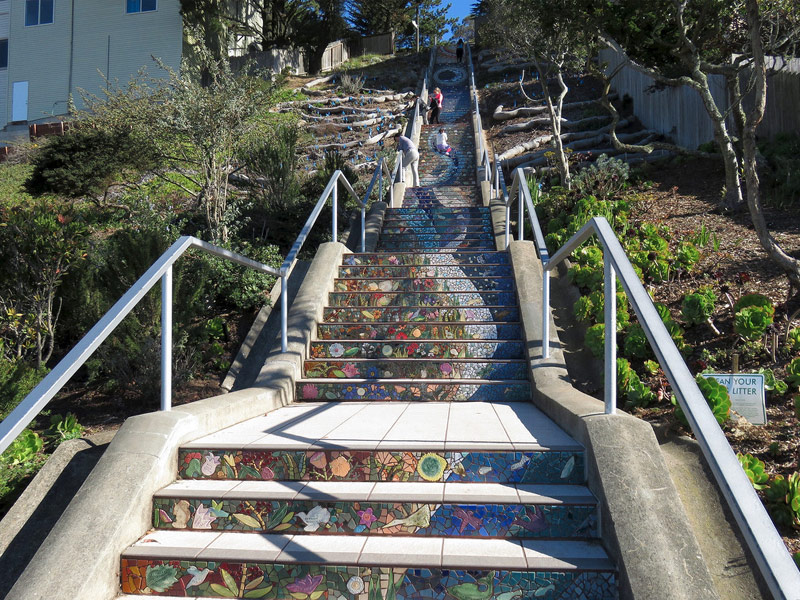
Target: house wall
{"points": [[89, 39], [4, 86]]}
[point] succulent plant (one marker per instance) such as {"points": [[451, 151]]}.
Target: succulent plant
{"points": [[595, 339], [783, 500], [754, 469], [697, 308], [628, 382], [716, 395], [793, 373], [636, 344], [751, 322], [793, 339], [687, 255], [755, 300]]}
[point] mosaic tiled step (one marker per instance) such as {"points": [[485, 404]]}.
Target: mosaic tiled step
{"points": [[229, 461], [473, 213], [365, 508], [439, 246], [393, 314], [446, 237], [428, 284], [417, 271], [443, 227], [427, 258], [418, 331], [412, 349], [448, 368], [355, 299], [213, 564], [414, 390]]}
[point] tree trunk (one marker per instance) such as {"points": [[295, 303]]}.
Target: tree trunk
{"points": [[790, 265]]}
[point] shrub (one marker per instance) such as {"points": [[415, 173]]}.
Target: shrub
{"points": [[793, 373], [687, 255], [604, 179], [273, 161], [697, 308], [17, 379], [751, 322], [793, 339], [754, 469], [783, 500], [595, 339], [351, 84], [86, 161], [628, 382], [757, 300], [636, 344]]}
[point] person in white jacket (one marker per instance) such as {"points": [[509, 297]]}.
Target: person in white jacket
{"points": [[443, 146], [410, 157]]}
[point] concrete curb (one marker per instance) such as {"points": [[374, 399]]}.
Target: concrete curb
{"points": [[646, 530]]}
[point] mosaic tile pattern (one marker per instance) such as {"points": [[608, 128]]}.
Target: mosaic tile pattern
{"points": [[417, 391], [427, 284], [376, 518], [354, 299], [357, 465], [422, 228], [394, 314], [409, 349], [417, 271], [418, 331], [439, 246], [428, 368], [219, 579], [422, 258]]}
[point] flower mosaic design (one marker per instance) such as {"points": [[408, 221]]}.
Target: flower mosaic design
{"points": [[431, 467]]}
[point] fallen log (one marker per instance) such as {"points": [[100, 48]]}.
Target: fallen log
{"points": [[565, 124], [527, 111], [336, 100]]}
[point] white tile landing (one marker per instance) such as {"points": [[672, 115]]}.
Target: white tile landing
{"points": [[434, 426]]}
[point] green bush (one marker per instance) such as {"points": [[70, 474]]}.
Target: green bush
{"points": [[595, 339], [687, 255], [754, 469], [783, 500], [697, 308], [793, 339], [273, 162], [636, 344], [629, 384], [604, 179], [751, 322], [17, 379], [793, 373], [86, 161], [716, 396], [757, 300]]}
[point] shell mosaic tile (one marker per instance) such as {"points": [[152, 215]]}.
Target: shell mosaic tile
{"points": [[363, 465], [484, 368], [376, 518], [394, 314], [355, 299], [413, 391], [421, 258], [372, 271], [409, 349], [419, 331], [426, 284], [230, 579]]}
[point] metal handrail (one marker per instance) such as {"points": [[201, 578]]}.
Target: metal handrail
{"points": [[776, 565], [483, 152], [161, 269]]}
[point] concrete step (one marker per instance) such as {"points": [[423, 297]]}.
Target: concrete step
{"points": [[252, 565], [414, 390], [430, 284], [419, 331], [394, 314], [483, 298], [427, 258], [414, 349], [384, 508], [426, 271], [384, 369]]}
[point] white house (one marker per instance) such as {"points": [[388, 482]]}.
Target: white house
{"points": [[51, 48]]}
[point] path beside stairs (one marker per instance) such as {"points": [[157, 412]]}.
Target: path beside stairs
{"points": [[413, 464]]}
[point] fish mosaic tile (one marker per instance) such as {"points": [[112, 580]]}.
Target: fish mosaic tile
{"points": [[376, 518], [388, 390], [428, 368], [428, 284], [394, 314], [228, 579], [484, 298], [411, 349], [418, 331], [548, 466]]}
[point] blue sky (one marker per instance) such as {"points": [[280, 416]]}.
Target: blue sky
{"points": [[459, 8]]}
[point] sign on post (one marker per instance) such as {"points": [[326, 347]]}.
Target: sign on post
{"points": [[747, 394]]}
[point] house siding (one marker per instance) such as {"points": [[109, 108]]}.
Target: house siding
{"points": [[4, 87], [102, 39]]}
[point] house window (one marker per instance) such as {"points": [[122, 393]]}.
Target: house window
{"points": [[38, 12], [137, 6], [3, 54]]}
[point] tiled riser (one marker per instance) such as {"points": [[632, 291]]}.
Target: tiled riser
{"points": [[432, 220], [417, 349], [376, 518], [221, 579], [421, 258], [355, 465], [393, 238], [416, 392], [444, 212], [440, 246], [418, 331], [429, 284], [422, 298], [448, 228], [412, 369], [394, 314], [427, 271]]}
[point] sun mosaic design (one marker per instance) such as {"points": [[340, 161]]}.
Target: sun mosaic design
{"points": [[376, 518], [352, 465], [312, 582]]}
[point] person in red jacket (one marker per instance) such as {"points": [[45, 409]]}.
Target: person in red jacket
{"points": [[436, 103]]}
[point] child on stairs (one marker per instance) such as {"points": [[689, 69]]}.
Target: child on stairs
{"points": [[443, 146]]}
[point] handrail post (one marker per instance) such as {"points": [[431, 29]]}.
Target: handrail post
{"points": [[520, 209], [166, 339], [284, 311], [546, 313], [610, 314], [335, 197], [508, 225], [363, 228]]}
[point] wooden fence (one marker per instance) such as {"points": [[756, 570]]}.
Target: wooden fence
{"points": [[678, 112], [375, 44], [335, 54]]}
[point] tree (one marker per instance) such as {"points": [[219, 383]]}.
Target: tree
{"points": [[206, 20], [274, 23], [371, 18], [465, 30], [548, 34]]}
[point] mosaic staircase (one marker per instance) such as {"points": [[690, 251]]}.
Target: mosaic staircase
{"points": [[414, 465]]}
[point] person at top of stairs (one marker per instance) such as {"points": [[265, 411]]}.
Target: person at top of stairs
{"points": [[437, 102], [410, 157]]}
